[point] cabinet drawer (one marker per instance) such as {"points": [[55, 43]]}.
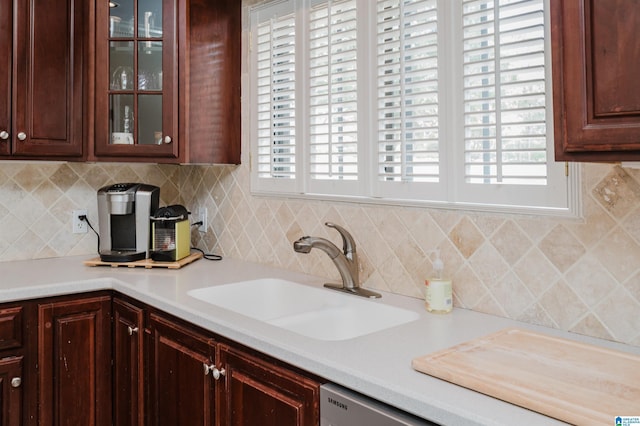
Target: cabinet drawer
{"points": [[11, 327]]}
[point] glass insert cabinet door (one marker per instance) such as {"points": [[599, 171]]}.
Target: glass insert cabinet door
{"points": [[135, 111]]}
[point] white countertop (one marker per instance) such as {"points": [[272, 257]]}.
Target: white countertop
{"points": [[378, 364]]}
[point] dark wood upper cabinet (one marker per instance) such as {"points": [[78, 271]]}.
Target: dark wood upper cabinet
{"points": [[42, 84], [167, 81], [596, 58], [6, 51]]}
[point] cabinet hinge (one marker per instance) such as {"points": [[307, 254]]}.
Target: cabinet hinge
{"points": [[566, 169]]}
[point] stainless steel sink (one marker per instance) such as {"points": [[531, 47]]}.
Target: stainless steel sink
{"points": [[309, 311]]}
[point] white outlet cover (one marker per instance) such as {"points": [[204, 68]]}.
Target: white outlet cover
{"points": [[78, 226]]}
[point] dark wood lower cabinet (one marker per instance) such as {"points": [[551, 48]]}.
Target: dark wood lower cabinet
{"points": [[99, 359], [180, 392], [11, 390], [128, 361], [74, 362], [258, 392]]}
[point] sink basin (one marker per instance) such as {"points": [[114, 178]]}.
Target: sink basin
{"points": [[312, 312]]}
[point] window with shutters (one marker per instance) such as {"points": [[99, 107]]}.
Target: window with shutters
{"points": [[444, 103]]}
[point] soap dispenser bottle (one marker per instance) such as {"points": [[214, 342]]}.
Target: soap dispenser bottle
{"points": [[438, 294]]}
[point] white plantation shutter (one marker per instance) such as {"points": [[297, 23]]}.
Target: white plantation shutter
{"points": [[508, 156], [275, 48], [434, 102], [333, 96], [407, 82], [504, 92], [408, 124]]}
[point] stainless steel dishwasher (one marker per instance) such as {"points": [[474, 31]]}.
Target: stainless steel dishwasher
{"points": [[342, 407]]}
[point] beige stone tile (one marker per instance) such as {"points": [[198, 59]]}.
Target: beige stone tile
{"points": [[633, 286], [410, 254], [388, 225], [590, 281], [487, 224], [12, 229], [29, 177], [536, 228], [619, 254], [617, 192], [562, 305], [424, 230], [590, 325], [468, 288], [489, 305], [561, 248], [488, 264], [47, 193], [466, 237], [596, 225], [511, 294], [631, 224], [536, 272], [536, 314], [510, 242], [397, 279], [619, 314], [64, 177]]}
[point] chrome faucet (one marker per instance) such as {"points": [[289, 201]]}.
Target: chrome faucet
{"points": [[346, 261]]}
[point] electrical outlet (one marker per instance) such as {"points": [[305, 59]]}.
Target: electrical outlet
{"points": [[79, 226], [201, 216]]}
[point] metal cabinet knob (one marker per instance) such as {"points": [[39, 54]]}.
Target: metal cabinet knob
{"points": [[214, 371], [16, 382], [4, 135], [167, 139], [22, 136], [132, 330]]}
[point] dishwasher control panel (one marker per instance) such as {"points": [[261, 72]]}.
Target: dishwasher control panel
{"points": [[342, 407]]}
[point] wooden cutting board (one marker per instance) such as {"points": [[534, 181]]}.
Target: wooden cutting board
{"points": [[570, 381], [147, 263]]}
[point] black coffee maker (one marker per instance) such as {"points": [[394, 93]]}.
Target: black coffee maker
{"points": [[124, 212]]}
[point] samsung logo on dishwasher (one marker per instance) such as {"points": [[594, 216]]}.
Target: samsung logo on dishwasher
{"points": [[338, 404]]}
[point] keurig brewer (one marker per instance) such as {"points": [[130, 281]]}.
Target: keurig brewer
{"points": [[124, 212]]}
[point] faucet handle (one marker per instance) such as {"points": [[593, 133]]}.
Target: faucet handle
{"points": [[348, 243]]}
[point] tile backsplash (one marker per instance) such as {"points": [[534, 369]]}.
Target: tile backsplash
{"points": [[577, 275]]}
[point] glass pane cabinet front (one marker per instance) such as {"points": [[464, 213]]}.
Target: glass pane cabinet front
{"points": [[135, 37]]}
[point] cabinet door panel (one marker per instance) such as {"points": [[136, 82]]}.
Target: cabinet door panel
{"points": [[136, 74], [75, 362], [128, 374], [180, 393], [596, 95], [11, 391], [6, 42], [257, 392], [48, 99], [211, 53]]}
